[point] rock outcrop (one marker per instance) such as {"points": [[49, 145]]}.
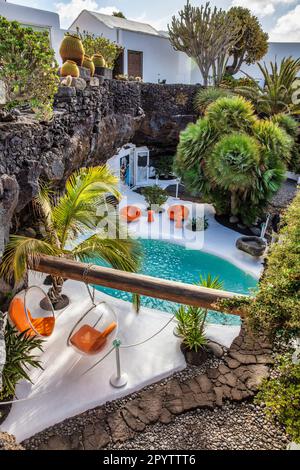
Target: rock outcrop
{"points": [[89, 125], [8, 442]]}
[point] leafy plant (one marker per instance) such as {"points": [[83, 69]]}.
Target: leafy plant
{"points": [[233, 159], [65, 218], [100, 45], [252, 45], [198, 224], [291, 127], [191, 320], [164, 166], [276, 305], [207, 96], [27, 67], [281, 397], [277, 94], [155, 196], [20, 355]]}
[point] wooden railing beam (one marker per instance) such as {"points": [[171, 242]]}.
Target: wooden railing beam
{"points": [[186, 294]]}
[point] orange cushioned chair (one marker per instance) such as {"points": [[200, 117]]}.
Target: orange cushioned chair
{"points": [[178, 213], [131, 213], [36, 326], [90, 341]]}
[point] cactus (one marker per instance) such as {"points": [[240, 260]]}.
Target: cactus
{"points": [[99, 60], [89, 64], [69, 68], [72, 49]]}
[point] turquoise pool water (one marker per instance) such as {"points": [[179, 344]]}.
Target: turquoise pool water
{"points": [[171, 261]]}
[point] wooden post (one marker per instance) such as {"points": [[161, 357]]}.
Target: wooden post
{"points": [[186, 294]]}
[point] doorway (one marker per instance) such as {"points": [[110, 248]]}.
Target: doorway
{"points": [[135, 64]]}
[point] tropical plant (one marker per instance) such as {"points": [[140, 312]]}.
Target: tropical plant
{"points": [[207, 96], [281, 396], [233, 159], [155, 196], [191, 320], [198, 224], [27, 67], [100, 45], [164, 166], [277, 94], [291, 127], [252, 45], [276, 305], [78, 212], [20, 355], [206, 35]]}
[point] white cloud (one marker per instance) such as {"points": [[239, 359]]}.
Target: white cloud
{"points": [[287, 28], [68, 12], [262, 7]]}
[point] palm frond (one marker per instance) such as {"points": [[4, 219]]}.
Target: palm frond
{"points": [[85, 191], [123, 254], [22, 253]]}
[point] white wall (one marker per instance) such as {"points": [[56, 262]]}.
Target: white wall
{"points": [[159, 58], [277, 51], [87, 22], [35, 17]]}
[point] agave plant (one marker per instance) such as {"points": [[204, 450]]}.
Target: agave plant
{"points": [[276, 96], [69, 218]]}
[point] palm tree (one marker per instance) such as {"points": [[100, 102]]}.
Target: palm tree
{"points": [[277, 94], [69, 218]]}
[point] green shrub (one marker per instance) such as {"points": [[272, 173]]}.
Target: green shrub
{"points": [[100, 45], [231, 114], [291, 127], [190, 327], [281, 397], [277, 304], [234, 160], [155, 196], [20, 355], [207, 96], [27, 67], [164, 166]]}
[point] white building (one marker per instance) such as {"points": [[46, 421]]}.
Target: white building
{"points": [[39, 20], [147, 52]]}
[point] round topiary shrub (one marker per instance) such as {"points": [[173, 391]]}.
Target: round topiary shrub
{"points": [[275, 142], [207, 96], [231, 114]]}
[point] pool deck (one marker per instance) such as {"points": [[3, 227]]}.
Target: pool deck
{"points": [[60, 391], [216, 240]]}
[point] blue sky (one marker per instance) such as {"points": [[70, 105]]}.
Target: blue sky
{"points": [[281, 18]]}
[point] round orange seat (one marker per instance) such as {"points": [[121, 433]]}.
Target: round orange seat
{"points": [[178, 212], [41, 326], [131, 213]]}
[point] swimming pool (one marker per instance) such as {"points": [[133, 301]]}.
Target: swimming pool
{"points": [[174, 262]]}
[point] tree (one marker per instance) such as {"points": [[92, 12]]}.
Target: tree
{"points": [[206, 35], [65, 219], [27, 67], [252, 46], [119, 14], [232, 159], [278, 93], [100, 45]]}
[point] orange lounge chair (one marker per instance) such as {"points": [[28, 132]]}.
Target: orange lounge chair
{"points": [[88, 340], [150, 216], [130, 213], [178, 212], [23, 321]]}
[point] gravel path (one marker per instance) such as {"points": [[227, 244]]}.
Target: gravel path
{"points": [[234, 427]]}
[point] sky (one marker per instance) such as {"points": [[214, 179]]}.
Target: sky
{"points": [[280, 18]]}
